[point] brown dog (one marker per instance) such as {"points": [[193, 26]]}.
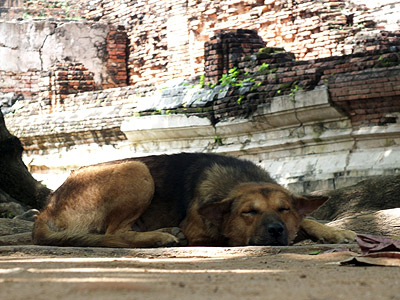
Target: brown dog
{"points": [[213, 199]]}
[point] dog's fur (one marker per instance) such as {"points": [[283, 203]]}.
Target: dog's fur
{"points": [[213, 199]]}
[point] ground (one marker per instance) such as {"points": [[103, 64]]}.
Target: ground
{"points": [[34, 272]]}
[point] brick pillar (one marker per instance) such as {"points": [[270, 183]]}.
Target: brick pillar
{"points": [[116, 65], [226, 48]]}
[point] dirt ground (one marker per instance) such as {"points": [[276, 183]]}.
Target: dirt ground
{"points": [[34, 272]]}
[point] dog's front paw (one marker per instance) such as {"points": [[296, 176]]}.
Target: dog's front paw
{"points": [[178, 233], [166, 240], [338, 236]]}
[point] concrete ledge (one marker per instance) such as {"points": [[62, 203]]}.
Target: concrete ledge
{"points": [[302, 140], [166, 127]]}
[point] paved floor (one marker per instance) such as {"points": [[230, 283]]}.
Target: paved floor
{"points": [[34, 272]]}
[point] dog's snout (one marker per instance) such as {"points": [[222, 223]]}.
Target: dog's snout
{"points": [[275, 229], [271, 232]]}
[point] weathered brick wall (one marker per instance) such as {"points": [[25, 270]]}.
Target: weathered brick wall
{"points": [[102, 50], [84, 118], [31, 9], [308, 29], [167, 38], [371, 97], [116, 53], [365, 85], [226, 48], [62, 80], [19, 83]]}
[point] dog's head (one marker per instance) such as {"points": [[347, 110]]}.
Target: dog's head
{"points": [[260, 214]]}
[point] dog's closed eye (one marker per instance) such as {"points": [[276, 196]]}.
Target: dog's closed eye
{"points": [[251, 212], [284, 209]]}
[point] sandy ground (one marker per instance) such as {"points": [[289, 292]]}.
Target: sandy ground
{"points": [[33, 272]]}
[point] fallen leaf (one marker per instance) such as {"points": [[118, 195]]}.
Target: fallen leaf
{"points": [[387, 259], [374, 243]]}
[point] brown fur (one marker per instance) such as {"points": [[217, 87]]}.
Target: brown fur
{"points": [[212, 199], [98, 206]]}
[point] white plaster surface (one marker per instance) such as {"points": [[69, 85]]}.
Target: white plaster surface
{"points": [[37, 45]]}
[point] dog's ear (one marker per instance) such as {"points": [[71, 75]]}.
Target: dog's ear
{"points": [[306, 204], [215, 212]]}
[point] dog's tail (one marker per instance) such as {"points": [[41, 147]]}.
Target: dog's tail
{"points": [[43, 234]]}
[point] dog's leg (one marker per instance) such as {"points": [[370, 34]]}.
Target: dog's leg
{"points": [[129, 201], [128, 238], [133, 239], [322, 233], [164, 237]]}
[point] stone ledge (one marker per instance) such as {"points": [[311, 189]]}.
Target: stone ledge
{"points": [[166, 127], [299, 139]]}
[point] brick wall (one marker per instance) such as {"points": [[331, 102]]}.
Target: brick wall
{"points": [[31, 9], [365, 85], [226, 48], [25, 83], [62, 80], [84, 118], [116, 64], [369, 96], [308, 29], [167, 38]]}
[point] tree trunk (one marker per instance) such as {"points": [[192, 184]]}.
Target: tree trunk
{"points": [[16, 183]]}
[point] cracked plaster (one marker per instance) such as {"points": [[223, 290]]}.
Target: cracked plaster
{"points": [[41, 44]]}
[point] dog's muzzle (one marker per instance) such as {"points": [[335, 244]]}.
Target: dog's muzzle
{"points": [[271, 232]]}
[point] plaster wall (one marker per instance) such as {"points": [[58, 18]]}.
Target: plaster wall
{"points": [[32, 46]]}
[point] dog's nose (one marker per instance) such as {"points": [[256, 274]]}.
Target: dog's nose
{"points": [[275, 229]]}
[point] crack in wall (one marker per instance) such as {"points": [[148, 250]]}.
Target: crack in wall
{"points": [[353, 148], [295, 131], [52, 32]]}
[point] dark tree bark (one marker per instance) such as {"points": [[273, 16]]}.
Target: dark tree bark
{"points": [[16, 183]]}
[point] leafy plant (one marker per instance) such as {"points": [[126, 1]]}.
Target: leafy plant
{"points": [[294, 88], [256, 85], [273, 70], [387, 61], [199, 85], [263, 67], [202, 79], [230, 78]]}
